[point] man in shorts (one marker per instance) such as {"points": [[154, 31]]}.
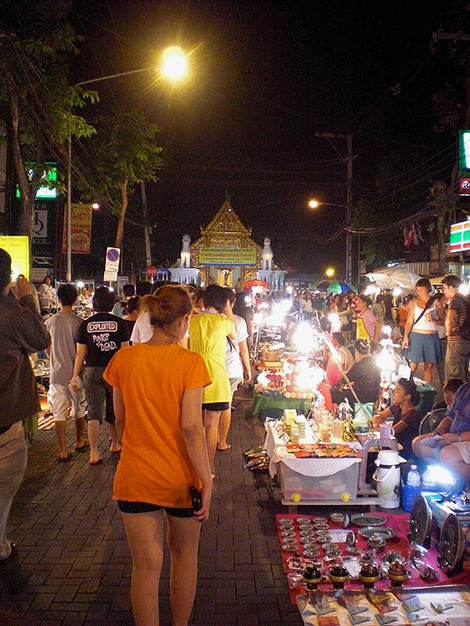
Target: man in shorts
{"points": [[449, 443], [63, 328]]}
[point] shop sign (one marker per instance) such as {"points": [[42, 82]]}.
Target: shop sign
{"points": [[18, 248], [225, 256], [464, 187], [460, 237]]}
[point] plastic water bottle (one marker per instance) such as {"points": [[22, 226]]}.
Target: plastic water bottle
{"points": [[294, 434], [413, 479]]}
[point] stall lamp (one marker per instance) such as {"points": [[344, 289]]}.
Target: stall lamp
{"points": [[371, 290], [386, 361], [80, 284], [464, 289], [396, 292], [289, 289], [387, 330], [438, 475], [303, 338]]}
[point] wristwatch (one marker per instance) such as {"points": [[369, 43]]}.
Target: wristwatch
{"points": [[459, 437]]}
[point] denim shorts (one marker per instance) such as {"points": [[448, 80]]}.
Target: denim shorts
{"points": [[144, 507], [424, 348]]}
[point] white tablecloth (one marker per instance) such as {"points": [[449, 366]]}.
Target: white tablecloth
{"points": [[275, 445]]}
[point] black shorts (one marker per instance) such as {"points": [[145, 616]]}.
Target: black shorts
{"points": [[215, 406], [144, 507]]}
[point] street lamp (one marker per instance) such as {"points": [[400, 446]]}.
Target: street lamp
{"points": [[314, 204], [173, 67]]}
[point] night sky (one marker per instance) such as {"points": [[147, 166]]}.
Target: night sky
{"points": [[265, 78]]}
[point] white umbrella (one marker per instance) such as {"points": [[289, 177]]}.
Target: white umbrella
{"points": [[391, 277]]}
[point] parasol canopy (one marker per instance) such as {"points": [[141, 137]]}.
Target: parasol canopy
{"points": [[255, 282], [390, 277], [335, 286]]}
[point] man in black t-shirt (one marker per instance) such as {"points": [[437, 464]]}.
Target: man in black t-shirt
{"points": [[99, 338], [458, 343]]}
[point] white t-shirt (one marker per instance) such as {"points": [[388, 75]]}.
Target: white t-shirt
{"points": [[142, 331], [233, 362]]}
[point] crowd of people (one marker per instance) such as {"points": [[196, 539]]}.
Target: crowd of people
{"points": [[161, 365]]}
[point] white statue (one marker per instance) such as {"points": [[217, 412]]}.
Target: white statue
{"points": [[267, 255], [185, 257]]}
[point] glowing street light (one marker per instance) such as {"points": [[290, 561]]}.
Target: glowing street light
{"points": [[174, 63], [174, 67]]}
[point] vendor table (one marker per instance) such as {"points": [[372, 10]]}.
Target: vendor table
{"points": [[315, 481]]}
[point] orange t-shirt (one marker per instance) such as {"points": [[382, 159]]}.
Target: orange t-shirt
{"points": [[155, 466]]}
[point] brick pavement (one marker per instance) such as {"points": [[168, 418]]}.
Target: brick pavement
{"points": [[73, 564]]}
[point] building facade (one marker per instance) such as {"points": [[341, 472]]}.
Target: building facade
{"points": [[226, 254]]}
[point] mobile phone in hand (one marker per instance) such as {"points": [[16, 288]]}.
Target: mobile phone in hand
{"points": [[195, 498]]}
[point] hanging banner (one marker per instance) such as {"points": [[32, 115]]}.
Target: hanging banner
{"points": [[81, 216], [227, 256], [81, 228]]}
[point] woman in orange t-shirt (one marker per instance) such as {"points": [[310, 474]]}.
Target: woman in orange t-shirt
{"points": [[157, 388]]}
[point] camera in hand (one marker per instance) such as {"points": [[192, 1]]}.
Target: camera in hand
{"points": [[195, 498]]}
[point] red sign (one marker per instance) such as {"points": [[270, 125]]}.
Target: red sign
{"points": [[464, 187], [151, 271]]}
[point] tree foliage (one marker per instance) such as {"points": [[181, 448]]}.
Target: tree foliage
{"points": [[36, 101], [123, 152]]}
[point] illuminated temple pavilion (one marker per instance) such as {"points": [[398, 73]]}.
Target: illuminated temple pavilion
{"points": [[226, 254]]}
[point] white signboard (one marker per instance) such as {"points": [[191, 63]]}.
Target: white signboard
{"points": [[112, 264]]}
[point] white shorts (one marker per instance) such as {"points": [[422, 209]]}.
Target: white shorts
{"points": [[60, 398], [464, 449]]}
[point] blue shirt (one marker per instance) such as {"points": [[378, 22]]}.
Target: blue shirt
{"points": [[460, 410]]}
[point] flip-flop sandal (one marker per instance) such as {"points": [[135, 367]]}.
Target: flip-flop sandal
{"points": [[98, 462], [65, 459], [115, 451], [224, 449], [82, 448]]}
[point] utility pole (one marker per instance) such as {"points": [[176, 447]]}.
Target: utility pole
{"points": [[147, 228], [349, 163]]}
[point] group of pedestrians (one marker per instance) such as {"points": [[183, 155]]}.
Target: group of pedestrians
{"points": [[168, 409]]}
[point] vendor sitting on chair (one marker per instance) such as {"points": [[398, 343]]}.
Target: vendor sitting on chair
{"points": [[364, 377], [449, 443], [406, 417]]}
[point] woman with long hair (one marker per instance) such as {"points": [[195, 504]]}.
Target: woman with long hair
{"points": [[158, 403], [421, 337], [406, 417]]}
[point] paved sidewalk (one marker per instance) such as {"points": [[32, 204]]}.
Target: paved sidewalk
{"points": [[73, 565]]}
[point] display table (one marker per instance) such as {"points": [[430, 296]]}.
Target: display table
{"points": [[273, 406], [313, 481]]}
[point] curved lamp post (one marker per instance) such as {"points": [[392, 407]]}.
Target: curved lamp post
{"points": [[173, 67]]}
